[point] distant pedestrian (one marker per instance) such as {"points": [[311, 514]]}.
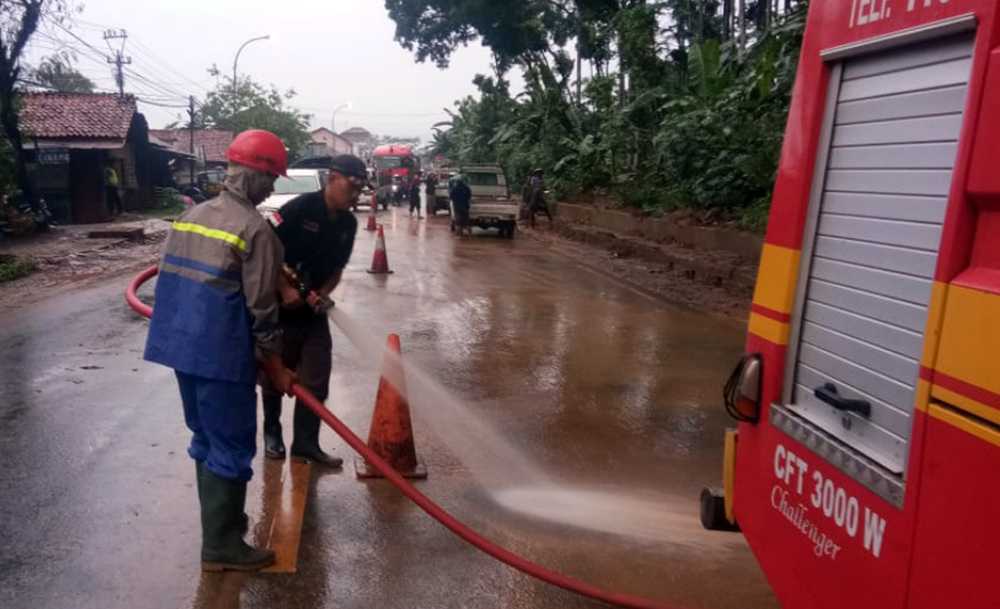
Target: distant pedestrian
{"points": [[431, 181], [215, 321], [415, 196], [536, 197], [461, 201], [111, 184]]}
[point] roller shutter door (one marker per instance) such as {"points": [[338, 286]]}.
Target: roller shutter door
{"points": [[861, 321]]}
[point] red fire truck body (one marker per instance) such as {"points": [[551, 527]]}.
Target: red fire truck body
{"points": [[866, 474], [393, 160]]}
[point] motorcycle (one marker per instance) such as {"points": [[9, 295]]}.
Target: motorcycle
{"points": [[196, 194], [19, 218]]}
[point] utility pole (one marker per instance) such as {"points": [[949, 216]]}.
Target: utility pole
{"points": [[118, 59], [191, 133]]}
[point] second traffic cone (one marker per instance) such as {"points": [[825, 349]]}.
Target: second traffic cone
{"points": [[391, 432], [380, 261]]}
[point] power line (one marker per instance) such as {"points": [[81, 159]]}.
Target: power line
{"points": [[158, 65], [162, 89], [160, 105], [144, 50]]}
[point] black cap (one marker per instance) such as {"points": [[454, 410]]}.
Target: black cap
{"points": [[350, 166]]}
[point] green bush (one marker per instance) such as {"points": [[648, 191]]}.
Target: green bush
{"points": [[13, 267]]}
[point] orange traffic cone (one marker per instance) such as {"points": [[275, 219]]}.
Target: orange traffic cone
{"points": [[380, 262], [391, 432], [371, 217]]}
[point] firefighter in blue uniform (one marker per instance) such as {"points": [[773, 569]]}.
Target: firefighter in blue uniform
{"points": [[215, 320], [317, 230]]}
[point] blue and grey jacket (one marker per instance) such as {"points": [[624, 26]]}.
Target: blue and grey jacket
{"points": [[216, 308]]}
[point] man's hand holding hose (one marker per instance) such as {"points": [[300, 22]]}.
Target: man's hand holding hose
{"points": [[294, 293], [280, 376]]}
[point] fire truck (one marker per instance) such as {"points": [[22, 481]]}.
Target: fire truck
{"points": [[395, 164], [864, 470]]}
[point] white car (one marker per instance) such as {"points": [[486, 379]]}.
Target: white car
{"points": [[298, 182]]}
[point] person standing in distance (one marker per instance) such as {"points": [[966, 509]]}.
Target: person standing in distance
{"points": [[317, 230], [215, 320], [414, 196], [461, 201], [536, 197]]}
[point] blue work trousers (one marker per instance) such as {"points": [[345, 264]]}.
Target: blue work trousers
{"points": [[222, 417]]}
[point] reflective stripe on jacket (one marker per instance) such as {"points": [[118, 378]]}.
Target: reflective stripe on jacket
{"points": [[216, 307]]}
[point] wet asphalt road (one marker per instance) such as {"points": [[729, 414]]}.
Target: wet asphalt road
{"points": [[592, 381]]}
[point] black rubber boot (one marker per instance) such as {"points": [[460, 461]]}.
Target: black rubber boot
{"points": [[305, 444], [222, 546], [244, 518], [274, 444]]}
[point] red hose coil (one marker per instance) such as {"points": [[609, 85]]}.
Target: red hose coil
{"points": [[425, 503]]}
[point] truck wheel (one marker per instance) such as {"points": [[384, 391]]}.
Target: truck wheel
{"points": [[713, 511]]}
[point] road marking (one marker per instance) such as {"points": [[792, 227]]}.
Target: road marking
{"points": [[287, 502]]}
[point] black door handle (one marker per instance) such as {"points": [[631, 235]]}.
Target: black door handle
{"points": [[828, 393]]}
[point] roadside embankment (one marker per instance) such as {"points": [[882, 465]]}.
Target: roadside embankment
{"points": [[706, 267]]}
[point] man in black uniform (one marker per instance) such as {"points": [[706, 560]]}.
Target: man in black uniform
{"points": [[317, 230]]}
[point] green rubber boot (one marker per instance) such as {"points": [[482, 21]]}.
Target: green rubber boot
{"points": [[222, 546], [244, 518]]}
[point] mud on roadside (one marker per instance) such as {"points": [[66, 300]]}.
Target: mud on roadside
{"points": [[67, 259], [711, 281]]}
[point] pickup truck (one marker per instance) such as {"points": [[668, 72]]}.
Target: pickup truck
{"points": [[491, 205], [441, 200]]}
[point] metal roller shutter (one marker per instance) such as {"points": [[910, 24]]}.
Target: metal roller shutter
{"points": [[860, 321]]}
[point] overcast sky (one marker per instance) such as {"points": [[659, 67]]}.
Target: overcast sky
{"points": [[331, 52]]}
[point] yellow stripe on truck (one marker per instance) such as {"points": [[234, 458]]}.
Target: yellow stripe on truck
{"points": [[211, 233], [967, 425], [969, 346], [771, 330], [776, 278], [964, 402], [729, 473]]}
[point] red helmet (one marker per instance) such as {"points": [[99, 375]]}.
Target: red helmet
{"points": [[260, 150]]}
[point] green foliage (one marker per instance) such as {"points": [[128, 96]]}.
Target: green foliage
{"points": [[250, 105], [58, 74], [13, 267], [718, 146], [691, 119]]}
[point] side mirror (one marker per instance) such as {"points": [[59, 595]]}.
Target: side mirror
{"points": [[742, 393]]}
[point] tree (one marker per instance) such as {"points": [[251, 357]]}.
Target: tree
{"points": [[57, 73], [683, 107], [247, 104], [18, 22]]}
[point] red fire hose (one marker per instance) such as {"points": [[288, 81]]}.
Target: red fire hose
{"points": [[425, 503]]}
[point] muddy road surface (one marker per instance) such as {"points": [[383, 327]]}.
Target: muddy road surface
{"points": [[588, 419]]}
